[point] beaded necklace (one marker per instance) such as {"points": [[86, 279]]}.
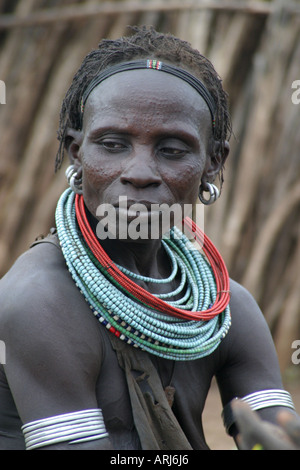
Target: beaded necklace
{"points": [[193, 330]]}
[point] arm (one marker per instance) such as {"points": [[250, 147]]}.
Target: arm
{"points": [[53, 351], [249, 360], [256, 434]]}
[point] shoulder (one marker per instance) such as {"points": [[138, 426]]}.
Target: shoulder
{"points": [[249, 329], [40, 304], [42, 259], [31, 280], [244, 308], [240, 296], [53, 343]]}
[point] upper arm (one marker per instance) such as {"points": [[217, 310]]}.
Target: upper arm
{"points": [[248, 356], [249, 359], [53, 356], [43, 368]]}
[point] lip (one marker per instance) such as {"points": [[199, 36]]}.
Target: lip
{"points": [[127, 204], [145, 211], [131, 214]]}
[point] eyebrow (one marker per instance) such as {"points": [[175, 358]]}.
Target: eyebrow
{"points": [[107, 130], [186, 135]]}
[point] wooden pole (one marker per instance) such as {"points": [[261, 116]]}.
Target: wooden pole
{"points": [[85, 11]]}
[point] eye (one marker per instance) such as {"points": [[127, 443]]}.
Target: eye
{"points": [[112, 145], [173, 151], [173, 148]]}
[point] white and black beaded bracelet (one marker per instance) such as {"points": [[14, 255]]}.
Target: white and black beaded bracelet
{"points": [[75, 427], [257, 401]]}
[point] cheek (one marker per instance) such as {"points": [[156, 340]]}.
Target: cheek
{"points": [[97, 173], [97, 178], [187, 181]]}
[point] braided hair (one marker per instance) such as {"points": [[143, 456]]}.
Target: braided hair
{"points": [[143, 43]]}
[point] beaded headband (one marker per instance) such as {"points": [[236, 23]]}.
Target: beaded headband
{"points": [[153, 65]]}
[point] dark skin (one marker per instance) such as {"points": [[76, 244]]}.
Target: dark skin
{"points": [[147, 147], [147, 137]]}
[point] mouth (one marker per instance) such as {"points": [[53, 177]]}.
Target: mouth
{"points": [[139, 219], [128, 203], [133, 212], [132, 209]]}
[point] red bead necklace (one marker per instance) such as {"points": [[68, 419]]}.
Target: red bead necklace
{"points": [[212, 254]]}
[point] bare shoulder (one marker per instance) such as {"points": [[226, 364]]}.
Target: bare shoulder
{"points": [[40, 303], [249, 331], [243, 304], [41, 259], [239, 294], [53, 343], [32, 281]]}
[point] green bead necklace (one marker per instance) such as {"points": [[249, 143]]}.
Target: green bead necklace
{"points": [[130, 319]]}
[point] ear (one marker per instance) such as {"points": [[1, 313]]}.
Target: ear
{"points": [[215, 161], [73, 141]]}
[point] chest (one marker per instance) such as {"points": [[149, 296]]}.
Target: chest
{"points": [[123, 394]]}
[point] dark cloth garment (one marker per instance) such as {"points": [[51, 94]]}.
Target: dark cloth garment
{"points": [[147, 403], [157, 427]]}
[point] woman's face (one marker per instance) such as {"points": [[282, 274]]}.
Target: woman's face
{"points": [[146, 136]]}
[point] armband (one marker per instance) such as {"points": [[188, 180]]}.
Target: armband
{"points": [[76, 427], [258, 401]]}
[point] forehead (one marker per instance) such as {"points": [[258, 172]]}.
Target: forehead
{"points": [[147, 95]]}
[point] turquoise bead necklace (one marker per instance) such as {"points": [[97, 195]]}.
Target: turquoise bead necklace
{"points": [[128, 318]]}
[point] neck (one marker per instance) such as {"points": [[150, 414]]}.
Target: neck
{"points": [[145, 257]]}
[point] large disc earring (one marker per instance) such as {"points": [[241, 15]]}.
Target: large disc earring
{"points": [[74, 182], [214, 193]]}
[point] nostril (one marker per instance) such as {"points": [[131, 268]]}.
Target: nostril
{"points": [[140, 177]]}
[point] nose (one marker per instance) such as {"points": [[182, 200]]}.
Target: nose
{"points": [[141, 170]]}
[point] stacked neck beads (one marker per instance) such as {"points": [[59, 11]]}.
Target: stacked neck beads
{"points": [[130, 319]]}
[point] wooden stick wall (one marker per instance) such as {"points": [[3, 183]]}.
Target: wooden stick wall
{"points": [[255, 47]]}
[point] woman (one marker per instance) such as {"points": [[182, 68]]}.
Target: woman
{"points": [[112, 341]]}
